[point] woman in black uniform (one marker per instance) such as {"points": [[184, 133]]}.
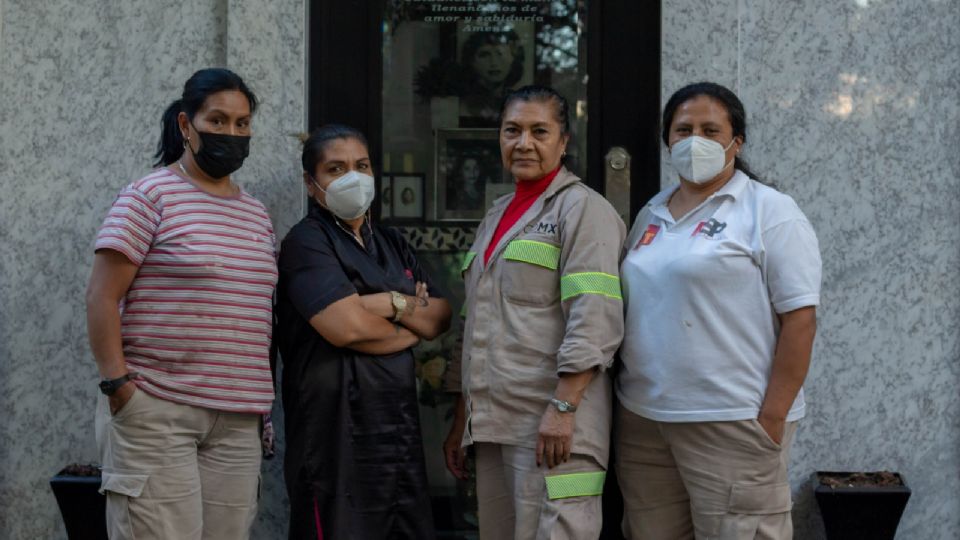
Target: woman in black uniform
{"points": [[351, 302]]}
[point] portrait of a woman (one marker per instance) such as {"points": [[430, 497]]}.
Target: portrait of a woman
{"points": [[493, 64]]}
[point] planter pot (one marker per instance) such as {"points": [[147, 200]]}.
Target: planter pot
{"points": [[858, 506], [82, 507]]}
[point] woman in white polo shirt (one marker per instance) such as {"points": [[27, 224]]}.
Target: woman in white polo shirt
{"points": [[721, 277]]}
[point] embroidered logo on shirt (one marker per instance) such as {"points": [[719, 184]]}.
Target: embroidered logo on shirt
{"points": [[548, 228], [648, 236], [709, 228], [407, 272]]}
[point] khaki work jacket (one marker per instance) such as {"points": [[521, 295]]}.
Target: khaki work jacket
{"points": [[548, 302]]}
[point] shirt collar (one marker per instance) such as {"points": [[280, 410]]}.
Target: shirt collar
{"points": [[316, 211], [733, 188], [536, 187], [563, 179]]}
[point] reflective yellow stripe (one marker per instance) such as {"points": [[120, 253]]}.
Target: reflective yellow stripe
{"points": [[533, 252], [467, 259], [583, 484], [590, 283]]}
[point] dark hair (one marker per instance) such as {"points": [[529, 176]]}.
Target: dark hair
{"points": [[320, 138], [543, 94], [196, 90], [479, 39], [729, 100]]}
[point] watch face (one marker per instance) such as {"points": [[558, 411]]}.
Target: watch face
{"points": [[563, 406]]}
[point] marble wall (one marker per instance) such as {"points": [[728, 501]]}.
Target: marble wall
{"points": [[83, 84], [853, 109]]}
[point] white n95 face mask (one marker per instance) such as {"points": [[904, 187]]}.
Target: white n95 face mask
{"points": [[698, 159], [349, 196]]}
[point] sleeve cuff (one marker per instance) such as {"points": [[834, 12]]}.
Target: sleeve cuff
{"points": [[317, 305], [129, 252], [797, 303], [580, 367]]}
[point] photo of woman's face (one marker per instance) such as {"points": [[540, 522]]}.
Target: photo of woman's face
{"points": [[492, 62], [471, 171]]}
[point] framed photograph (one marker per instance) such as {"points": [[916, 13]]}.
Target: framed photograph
{"points": [[467, 162], [495, 58], [386, 196], [407, 197]]}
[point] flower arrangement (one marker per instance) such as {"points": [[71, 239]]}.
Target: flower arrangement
{"points": [[431, 364]]}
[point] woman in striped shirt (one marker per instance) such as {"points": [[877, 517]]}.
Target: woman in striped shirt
{"points": [[179, 321]]}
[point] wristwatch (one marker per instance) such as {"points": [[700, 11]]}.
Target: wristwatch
{"points": [[563, 406], [399, 305], [110, 386]]}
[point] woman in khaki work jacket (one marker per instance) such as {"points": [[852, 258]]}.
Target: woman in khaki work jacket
{"points": [[544, 316]]}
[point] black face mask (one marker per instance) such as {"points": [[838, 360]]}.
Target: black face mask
{"points": [[220, 155]]}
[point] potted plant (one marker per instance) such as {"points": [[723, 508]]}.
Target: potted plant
{"points": [[83, 508], [860, 505]]}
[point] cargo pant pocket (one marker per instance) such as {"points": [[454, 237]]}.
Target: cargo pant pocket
{"points": [[764, 437], [757, 511], [119, 489], [573, 506], [127, 406], [768, 499]]}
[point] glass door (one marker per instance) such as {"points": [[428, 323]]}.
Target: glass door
{"points": [[424, 80]]}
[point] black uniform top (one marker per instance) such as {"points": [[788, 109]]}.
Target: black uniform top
{"points": [[354, 457]]}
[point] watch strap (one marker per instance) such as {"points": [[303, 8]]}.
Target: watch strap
{"points": [[110, 386], [399, 305], [563, 406]]}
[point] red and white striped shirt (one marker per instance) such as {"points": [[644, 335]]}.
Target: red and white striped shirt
{"points": [[196, 321]]}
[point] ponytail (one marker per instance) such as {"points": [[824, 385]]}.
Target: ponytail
{"points": [[170, 146]]}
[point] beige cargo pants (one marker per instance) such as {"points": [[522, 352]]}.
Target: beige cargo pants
{"points": [[176, 471], [518, 500], [709, 480]]}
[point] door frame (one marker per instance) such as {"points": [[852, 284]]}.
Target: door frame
{"points": [[623, 93], [344, 67]]}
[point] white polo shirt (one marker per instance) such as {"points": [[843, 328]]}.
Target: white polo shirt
{"points": [[702, 294]]}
